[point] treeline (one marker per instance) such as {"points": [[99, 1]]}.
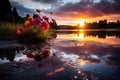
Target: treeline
{"points": [[9, 13], [102, 24]]}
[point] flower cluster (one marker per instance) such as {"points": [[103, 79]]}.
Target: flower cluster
{"points": [[38, 21]]}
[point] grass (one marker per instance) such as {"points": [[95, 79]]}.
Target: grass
{"points": [[8, 31], [36, 35], [33, 36]]}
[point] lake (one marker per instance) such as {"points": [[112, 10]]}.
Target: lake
{"points": [[75, 55]]}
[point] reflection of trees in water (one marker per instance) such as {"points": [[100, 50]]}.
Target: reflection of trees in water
{"points": [[37, 52], [8, 53], [100, 34], [103, 34]]}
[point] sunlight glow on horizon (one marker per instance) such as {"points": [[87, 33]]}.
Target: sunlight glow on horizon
{"points": [[82, 23], [76, 21]]}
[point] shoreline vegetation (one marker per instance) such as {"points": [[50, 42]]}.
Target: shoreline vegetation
{"points": [[101, 24], [8, 31], [86, 27]]}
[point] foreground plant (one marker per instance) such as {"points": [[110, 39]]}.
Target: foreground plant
{"points": [[8, 31], [36, 29]]}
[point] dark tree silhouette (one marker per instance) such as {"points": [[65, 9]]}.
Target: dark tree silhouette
{"points": [[36, 16], [9, 13], [5, 9], [15, 14], [27, 15], [53, 24]]}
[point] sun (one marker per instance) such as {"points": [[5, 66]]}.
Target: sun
{"points": [[82, 23]]}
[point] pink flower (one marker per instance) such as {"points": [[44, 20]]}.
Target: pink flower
{"points": [[36, 21], [45, 18], [45, 25]]}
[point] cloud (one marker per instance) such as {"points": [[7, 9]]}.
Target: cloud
{"points": [[107, 7], [80, 9], [87, 8], [46, 1], [22, 11], [53, 3], [45, 5]]}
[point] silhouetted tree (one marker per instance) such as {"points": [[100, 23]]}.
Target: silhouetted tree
{"points": [[27, 15], [36, 16], [53, 24], [5, 8], [15, 14], [9, 18], [7, 14]]}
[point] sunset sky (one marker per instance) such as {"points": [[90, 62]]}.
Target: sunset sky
{"points": [[70, 12]]}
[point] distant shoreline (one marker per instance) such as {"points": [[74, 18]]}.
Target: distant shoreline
{"points": [[90, 26], [88, 29]]}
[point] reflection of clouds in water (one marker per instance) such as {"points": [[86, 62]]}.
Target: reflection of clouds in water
{"points": [[21, 57], [82, 62], [87, 56], [72, 62], [72, 54], [94, 56], [80, 47], [78, 53], [73, 59], [85, 59], [3, 61], [68, 43]]}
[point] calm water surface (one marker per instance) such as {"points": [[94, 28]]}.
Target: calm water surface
{"points": [[93, 52], [80, 55]]}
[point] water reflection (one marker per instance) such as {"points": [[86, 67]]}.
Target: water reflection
{"points": [[95, 61], [23, 53], [90, 59], [104, 36], [99, 33], [81, 35], [56, 71], [76, 55], [8, 53]]}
